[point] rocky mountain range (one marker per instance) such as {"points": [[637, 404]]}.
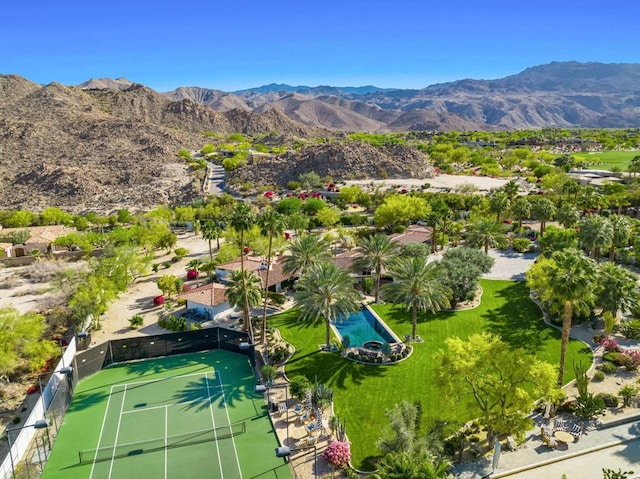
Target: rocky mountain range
{"points": [[559, 94], [107, 148], [109, 144]]}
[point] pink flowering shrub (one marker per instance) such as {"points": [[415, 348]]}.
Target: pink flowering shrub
{"points": [[610, 345], [192, 274], [337, 454], [631, 359], [158, 301]]}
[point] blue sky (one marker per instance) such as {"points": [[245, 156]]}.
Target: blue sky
{"points": [[235, 45]]}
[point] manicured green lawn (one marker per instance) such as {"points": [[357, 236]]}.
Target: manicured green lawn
{"points": [[364, 392], [605, 160]]}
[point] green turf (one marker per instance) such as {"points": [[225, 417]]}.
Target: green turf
{"points": [[151, 399], [605, 160], [363, 392]]}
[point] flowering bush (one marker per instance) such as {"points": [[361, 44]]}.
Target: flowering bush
{"points": [[631, 359], [337, 454], [192, 274], [158, 301], [610, 345]]}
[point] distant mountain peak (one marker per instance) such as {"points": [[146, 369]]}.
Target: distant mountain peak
{"points": [[106, 84]]}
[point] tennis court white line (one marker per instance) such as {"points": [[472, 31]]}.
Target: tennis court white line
{"points": [[142, 409], [104, 421], [233, 441], [162, 379], [115, 442], [213, 421], [166, 433]]}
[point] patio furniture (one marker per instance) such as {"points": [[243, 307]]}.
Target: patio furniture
{"points": [[563, 436], [576, 432]]}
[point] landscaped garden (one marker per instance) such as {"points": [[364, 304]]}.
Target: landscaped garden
{"points": [[364, 392]]}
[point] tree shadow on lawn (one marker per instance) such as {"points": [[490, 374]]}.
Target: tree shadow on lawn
{"points": [[518, 321], [332, 369]]}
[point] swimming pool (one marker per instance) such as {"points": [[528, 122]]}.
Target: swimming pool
{"points": [[364, 327]]}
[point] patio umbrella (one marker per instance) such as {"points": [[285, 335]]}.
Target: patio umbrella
{"points": [[496, 454], [319, 425], [307, 400]]}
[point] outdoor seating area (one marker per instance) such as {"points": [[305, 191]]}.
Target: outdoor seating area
{"points": [[305, 425], [560, 431]]}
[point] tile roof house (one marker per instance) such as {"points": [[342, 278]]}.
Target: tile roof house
{"points": [[413, 234], [208, 300], [277, 276], [41, 238]]}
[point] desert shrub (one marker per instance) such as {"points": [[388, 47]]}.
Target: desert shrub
{"points": [[589, 406], [173, 323], [630, 359], [158, 300], [367, 285], [608, 368], [9, 283], [269, 373], [631, 330], [136, 321], [298, 386], [599, 376], [627, 393], [277, 299], [278, 354], [181, 252], [615, 358], [609, 400], [521, 245], [321, 395]]}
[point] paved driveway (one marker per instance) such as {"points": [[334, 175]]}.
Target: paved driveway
{"points": [[510, 265]]}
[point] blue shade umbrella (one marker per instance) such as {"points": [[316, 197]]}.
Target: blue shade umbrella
{"points": [[496, 454], [319, 425]]}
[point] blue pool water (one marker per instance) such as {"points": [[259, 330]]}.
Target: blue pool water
{"points": [[362, 327]]}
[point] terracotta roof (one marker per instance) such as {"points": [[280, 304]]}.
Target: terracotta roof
{"points": [[41, 234], [257, 264], [203, 295], [413, 234], [345, 259]]}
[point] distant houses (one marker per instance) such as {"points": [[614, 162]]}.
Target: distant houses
{"points": [[40, 238]]}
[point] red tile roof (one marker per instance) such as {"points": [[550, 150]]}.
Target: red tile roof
{"points": [[211, 294], [413, 234]]}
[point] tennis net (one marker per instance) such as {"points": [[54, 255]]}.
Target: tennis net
{"points": [[88, 456]]}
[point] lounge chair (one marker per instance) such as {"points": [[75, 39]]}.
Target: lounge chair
{"points": [[576, 432], [282, 407]]}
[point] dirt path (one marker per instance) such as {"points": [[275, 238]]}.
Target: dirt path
{"points": [[138, 299]]}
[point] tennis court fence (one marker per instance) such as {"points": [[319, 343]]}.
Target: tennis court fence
{"points": [[89, 456]]}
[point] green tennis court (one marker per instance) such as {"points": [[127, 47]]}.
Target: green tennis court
{"points": [[186, 416]]}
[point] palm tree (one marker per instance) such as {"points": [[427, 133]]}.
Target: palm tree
{"points": [[499, 203], [566, 283], [616, 290], [621, 233], [521, 209], [271, 224], [377, 253], [418, 285], [568, 215], [325, 291], [244, 288], [596, 233], [211, 230], [543, 210], [486, 232], [305, 250], [241, 220]]}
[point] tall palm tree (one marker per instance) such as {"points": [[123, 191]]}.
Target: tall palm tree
{"points": [[521, 209], [241, 220], [211, 230], [566, 282], [595, 234], [377, 253], [271, 224], [305, 250], [487, 233], [621, 233], [616, 289], [543, 210], [417, 284], [244, 288], [325, 291]]}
